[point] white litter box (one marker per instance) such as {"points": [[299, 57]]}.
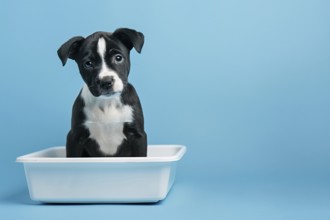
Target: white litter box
{"points": [[54, 178]]}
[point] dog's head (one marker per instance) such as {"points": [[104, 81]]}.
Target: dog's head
{"points": [[103, 59]]}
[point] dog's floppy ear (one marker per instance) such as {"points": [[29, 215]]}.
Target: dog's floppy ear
{"points": [[130, 38], [69, 49]]}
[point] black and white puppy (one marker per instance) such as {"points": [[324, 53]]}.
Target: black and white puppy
{"points": [[107, 117]]}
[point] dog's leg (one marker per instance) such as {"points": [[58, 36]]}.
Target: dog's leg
{"points": [[81, 146], [74, 146], [92, 149], [139, 145], [137, 139]]}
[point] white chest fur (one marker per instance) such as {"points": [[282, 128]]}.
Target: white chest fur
{"points": [[105, 118]]}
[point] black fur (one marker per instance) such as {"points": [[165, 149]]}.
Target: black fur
{"points": [[79, 143]]}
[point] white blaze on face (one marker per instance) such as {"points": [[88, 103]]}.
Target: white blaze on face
{"points": [[105, 70]]}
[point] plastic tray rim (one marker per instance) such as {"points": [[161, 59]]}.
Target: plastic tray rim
{"points": [[31, 158]]}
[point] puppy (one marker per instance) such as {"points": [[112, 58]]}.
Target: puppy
{"points": [[107, 117]]}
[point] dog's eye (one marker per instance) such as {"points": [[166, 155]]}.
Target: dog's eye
{"points": [[119, 58], [88, 64]]}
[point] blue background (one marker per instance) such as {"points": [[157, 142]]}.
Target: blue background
{"points": [[243, 84]]}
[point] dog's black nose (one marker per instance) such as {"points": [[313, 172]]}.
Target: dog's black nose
{"points": [[107, 82]]}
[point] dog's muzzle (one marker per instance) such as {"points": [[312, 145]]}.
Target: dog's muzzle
{"points": [[103, 87], [106, 84]]}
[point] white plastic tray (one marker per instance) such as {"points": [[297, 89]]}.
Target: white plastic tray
{"points": [[54, 178]]}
